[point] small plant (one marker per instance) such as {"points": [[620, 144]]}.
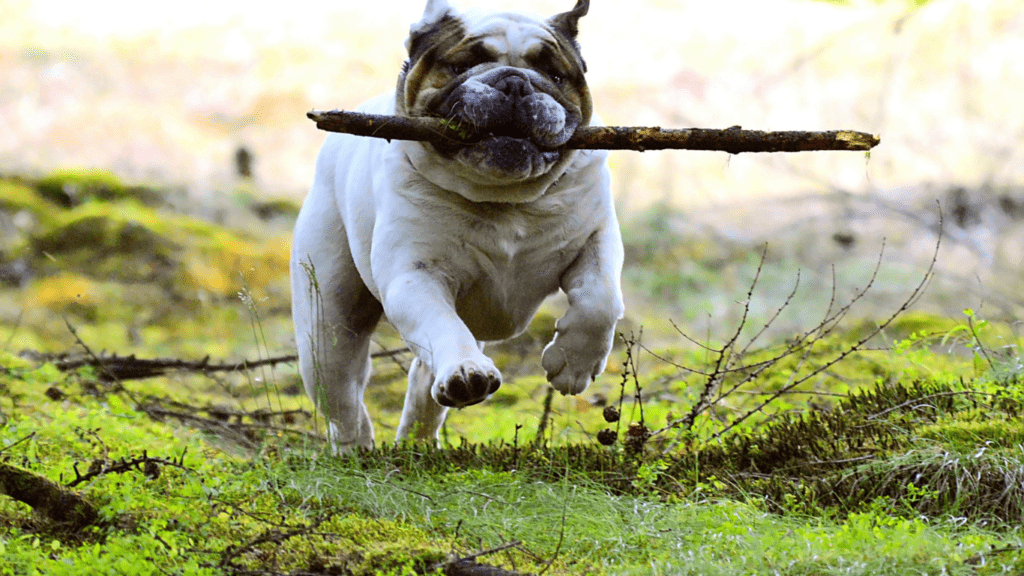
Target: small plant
{"points": [[1000, 365], [734, 364]]}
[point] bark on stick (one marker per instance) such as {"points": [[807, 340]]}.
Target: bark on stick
{"points": [[733, 140]]}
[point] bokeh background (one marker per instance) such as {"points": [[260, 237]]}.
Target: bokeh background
{"points": [[166, 93]]}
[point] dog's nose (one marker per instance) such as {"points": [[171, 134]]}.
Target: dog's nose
{"points": [[514, 84]]}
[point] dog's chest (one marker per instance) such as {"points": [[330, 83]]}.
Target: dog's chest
{"points": [[506, 262]]}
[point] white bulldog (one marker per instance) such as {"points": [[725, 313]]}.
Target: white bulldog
{"points": [[459, 244]]}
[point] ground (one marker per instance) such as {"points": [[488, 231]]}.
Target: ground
{"points": [[852, 445]]}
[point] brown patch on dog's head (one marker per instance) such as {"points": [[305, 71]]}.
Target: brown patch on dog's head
{"points": [[510, 81], [427, 40], [445, 45]]}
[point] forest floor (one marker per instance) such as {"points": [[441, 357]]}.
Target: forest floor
{"points": [[150, 406]]}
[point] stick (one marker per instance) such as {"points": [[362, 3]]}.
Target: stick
{"points": [[733, 140]]}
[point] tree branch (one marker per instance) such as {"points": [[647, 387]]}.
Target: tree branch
{"points": [[46, 497], [114, 367], [733, 140]]}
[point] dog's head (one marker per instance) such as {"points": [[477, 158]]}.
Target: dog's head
{"points": [[514, 81]]}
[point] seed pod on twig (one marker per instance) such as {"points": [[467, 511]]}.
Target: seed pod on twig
{"points": [[607, 437], [611, 414]]}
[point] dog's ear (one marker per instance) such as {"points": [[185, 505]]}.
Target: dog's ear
{"points": [[568, 22], [435, 11]]}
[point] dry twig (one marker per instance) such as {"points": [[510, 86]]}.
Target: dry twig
{"points": [[733, 140], [146, 464], [116, 368], [731, 360]]}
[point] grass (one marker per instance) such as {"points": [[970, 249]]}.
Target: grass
{"points": [[391, 511], [567, 508], [904, 456]]}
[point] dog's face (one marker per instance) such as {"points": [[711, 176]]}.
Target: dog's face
{"points": [[514, 80]]}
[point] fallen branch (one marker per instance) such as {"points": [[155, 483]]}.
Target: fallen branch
{"points": [[733, 140], [468, 566], [243, 433], [113, 368], [46, 497]]}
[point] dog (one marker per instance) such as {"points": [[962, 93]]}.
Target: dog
{"points": [[459, 244]]}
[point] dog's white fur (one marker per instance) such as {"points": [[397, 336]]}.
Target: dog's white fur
{"points": [[391, 226]]}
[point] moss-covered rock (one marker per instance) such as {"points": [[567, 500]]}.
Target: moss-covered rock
{"points": [[17, 196], [116, 243], [72, 187], [128, 241], [271, 209], [68, 292]]}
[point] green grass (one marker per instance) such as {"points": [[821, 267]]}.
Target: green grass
{"points": [[903, 457], [580, 507]]}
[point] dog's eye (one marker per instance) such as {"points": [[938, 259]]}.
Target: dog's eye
{"points": [[554, 74], [459, 69]]}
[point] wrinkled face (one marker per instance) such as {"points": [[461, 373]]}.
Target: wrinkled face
{"points": [[513, 81]]}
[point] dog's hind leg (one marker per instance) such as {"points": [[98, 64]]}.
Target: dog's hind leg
{"points": [[334, 315], [421, 416]]}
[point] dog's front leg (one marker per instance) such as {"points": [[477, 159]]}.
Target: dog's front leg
{"points": [[583, 337], [422, 308]]}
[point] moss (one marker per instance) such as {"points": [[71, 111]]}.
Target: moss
{"points": [[868, 447], [16, 196], [101, 227], [131, 242], [963, 433], [115, 246], [380, 546], [225, 263], [272, 209], [68, 292], [922, 323], [72, 187], [400, 558]]}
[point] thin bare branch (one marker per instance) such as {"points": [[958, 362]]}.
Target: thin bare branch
{"points": [[857, 346]]}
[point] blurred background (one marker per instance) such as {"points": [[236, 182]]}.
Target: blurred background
{"points": [[207, 100]]}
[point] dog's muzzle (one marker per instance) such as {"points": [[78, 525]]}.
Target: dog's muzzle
{"points": [[516, 116]]}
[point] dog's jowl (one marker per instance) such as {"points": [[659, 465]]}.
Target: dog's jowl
{"points": [[457, 245]]}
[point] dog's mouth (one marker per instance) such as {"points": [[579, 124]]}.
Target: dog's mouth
{"points": [[503, 147], [464, 133], [504, 152], [505, 125]]}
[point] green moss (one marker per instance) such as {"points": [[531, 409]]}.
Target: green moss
{"points": [[381, 546], [71, 187], [16, 196], [921, 323], [972, 431], [128, 241], [103, 235], [271, 209], [110, 243]]}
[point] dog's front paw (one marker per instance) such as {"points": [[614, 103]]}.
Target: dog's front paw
{"points": [[465, 384], [575, 357]]}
